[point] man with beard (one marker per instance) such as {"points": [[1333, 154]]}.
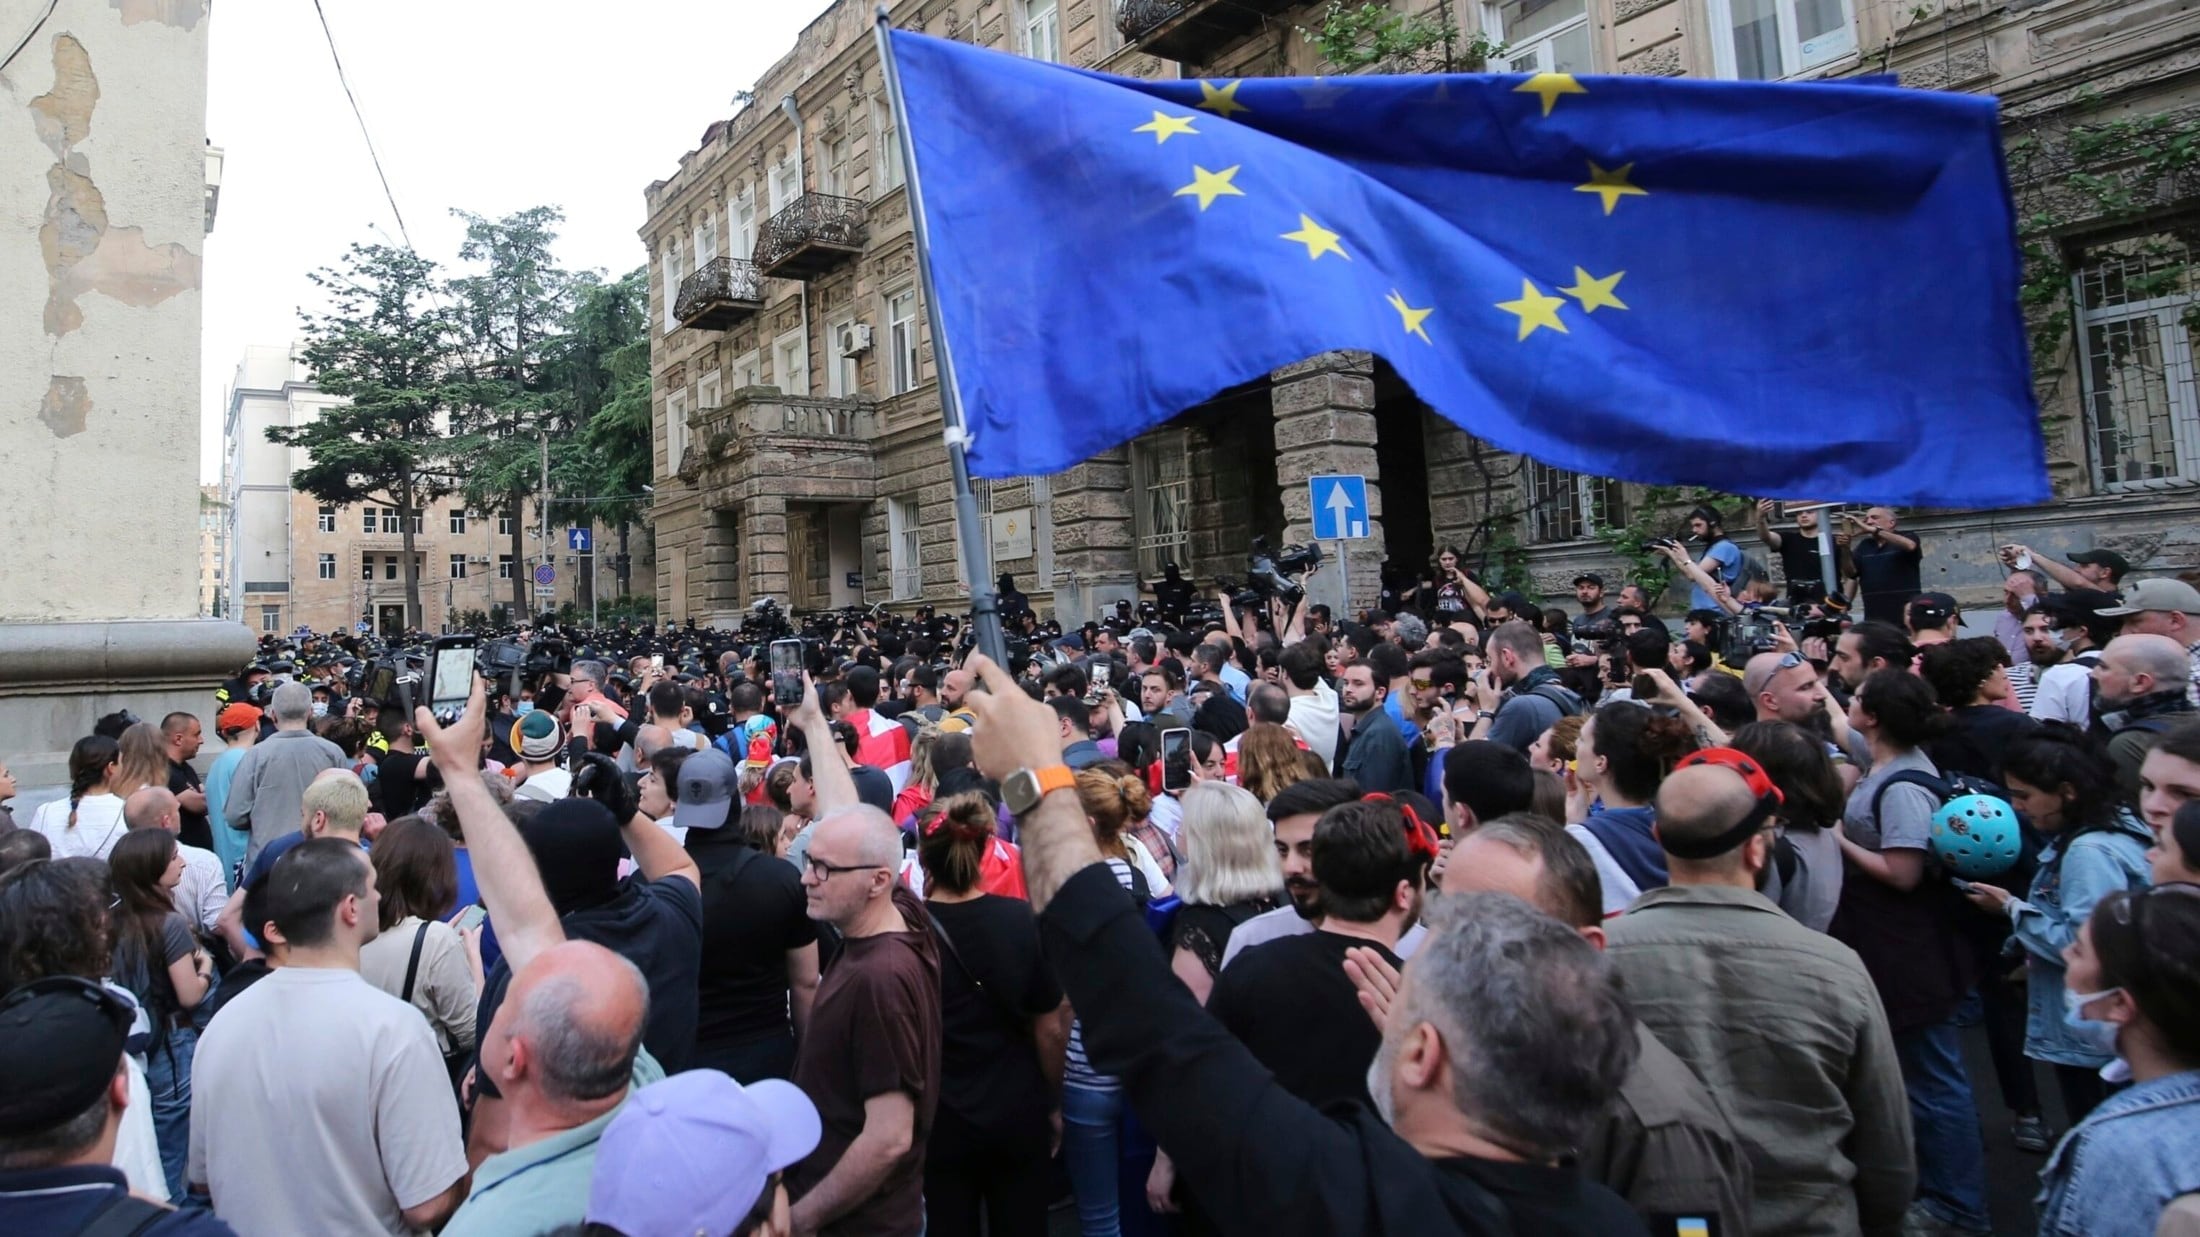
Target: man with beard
{"points": [[1798, 551], [1291, 1001], [1294, 813], [1867, 647], [1375, 753], [1519, 697], [2081, 630]]}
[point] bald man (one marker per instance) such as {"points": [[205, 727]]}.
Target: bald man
{"points": [[1782, 1023], [1668, 1147], [2140, 689], [871, 1056], [565, 1050], [203, 891]]}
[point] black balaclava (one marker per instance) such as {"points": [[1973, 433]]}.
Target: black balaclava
{"points": [[576, 847]]}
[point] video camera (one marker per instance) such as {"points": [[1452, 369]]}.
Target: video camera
{"points": [[1280, 575], [1749, 633]]}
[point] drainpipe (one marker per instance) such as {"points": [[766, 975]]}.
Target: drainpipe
{"points": [[801, 185]]}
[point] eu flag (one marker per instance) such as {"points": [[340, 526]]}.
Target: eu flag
{"points": [[1800, 290]]}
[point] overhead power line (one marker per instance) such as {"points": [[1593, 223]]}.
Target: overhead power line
{"points": [[345, 82]]}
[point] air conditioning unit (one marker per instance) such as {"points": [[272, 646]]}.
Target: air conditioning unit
{"points": [[478, 560], [855, 339]]}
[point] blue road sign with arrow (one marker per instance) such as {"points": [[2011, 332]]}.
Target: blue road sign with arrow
{"points": [[1340, 506], [576, 540]]}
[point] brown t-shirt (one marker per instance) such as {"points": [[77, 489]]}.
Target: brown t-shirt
{"points": [[875, 1028]]}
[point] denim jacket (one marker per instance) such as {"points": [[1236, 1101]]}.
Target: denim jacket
{"points": [[2072, 878], [2114, 1173]]}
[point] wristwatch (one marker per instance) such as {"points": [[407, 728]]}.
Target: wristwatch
{"points": [[1023, 789]]}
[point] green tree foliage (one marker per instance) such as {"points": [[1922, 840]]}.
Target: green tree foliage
{"points": [[387, 348], [514, 305], [605, 370]]}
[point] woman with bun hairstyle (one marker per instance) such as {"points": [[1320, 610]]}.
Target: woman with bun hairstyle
{"points": [[1624, 751], [1118, 804], [1005, 1029]]}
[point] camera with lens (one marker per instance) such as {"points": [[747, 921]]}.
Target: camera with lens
{"points": [[1749, 633], [1279, 575]]}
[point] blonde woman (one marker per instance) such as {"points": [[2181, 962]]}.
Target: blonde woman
{"points": [[142, 761], [1268, 760], [924, 780], [1229, 874]]}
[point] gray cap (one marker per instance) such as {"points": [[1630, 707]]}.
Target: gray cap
{"points": [[2167, 595], [709, 783]]}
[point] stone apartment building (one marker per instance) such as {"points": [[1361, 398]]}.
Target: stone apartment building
{"points": [[797, 424], [212, 545], [293, 560]]}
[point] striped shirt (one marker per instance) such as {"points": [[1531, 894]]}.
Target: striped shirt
{"points": [[1077, 1070]]}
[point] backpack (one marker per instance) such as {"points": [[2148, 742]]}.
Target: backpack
{"points": [[1943, 789], [1569, 705]]}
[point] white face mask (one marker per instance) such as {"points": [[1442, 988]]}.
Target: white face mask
{"points": [[320, 708], [2098, 1034]]}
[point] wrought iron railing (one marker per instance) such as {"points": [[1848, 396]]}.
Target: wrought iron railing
{"points": [[812, 219], [1135, 17], [720, 279]]}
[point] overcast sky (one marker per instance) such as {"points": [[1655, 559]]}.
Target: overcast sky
{"points": [[490, 108]]}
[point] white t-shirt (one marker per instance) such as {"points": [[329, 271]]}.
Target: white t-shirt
{"points": [[549, 786], [98, 826], [203, 891], [319, 1104], [2065, 694]]}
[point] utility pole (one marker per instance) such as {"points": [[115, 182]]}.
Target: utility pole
{"points": [[544, 503]]}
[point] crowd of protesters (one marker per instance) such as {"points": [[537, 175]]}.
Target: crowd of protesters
{"points": [[1464, 916]]}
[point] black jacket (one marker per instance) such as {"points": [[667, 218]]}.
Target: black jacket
{"points": [[1259, 1160]]}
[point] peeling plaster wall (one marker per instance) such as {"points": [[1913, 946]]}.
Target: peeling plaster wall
{"points": [[102, 216]]}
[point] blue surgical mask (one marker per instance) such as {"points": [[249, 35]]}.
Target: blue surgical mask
{"points": [[2099, 1036], [524, 707]]}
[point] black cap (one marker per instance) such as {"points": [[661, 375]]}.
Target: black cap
{"points": [[61, 1041], [1931, 609], [1589, 577], [2117, 565]]}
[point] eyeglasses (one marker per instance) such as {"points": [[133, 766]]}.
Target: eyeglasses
{"points": [[824, 871], [1422, 685]]}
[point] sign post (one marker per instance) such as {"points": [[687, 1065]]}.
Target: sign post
{"points": [[581, 541], [1339, 505]]}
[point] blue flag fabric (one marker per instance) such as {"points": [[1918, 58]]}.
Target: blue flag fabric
{"points": [[1806, 291]]}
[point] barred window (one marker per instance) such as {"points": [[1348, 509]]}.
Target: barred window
{"points": [[2142, 409]]}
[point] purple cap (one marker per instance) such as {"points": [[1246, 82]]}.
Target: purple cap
{"points": [[693, 1153]]}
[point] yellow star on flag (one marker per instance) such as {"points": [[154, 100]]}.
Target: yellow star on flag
{"points": [[1413, 317], [1595, 293], [1317, 239], [1612, 185], [1535, 310], [1207, 186], [1221, 101], [1164, 126], [1549, 86]]}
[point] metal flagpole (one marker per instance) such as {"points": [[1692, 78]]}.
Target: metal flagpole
{"points": [[976, 555]]}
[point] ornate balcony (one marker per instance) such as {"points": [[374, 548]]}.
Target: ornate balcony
{"points": [[815, 232], [720, 294], [1191, 31]]}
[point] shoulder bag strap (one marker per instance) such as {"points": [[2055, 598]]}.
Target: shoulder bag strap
{"points": [[412, 968], [1000, 1005]]}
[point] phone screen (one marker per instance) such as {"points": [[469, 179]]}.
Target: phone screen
{"points": [[657, 661], [451, 672], [1100, 676], [1176, 759], [787, 672]]}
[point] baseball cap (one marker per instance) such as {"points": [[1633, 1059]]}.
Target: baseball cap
{"points": [[238, 716], [707, 784], [693, 1153], [2166, 595], [2116, 563], [1589, 577], [1931, 609], [61, 1042]]}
